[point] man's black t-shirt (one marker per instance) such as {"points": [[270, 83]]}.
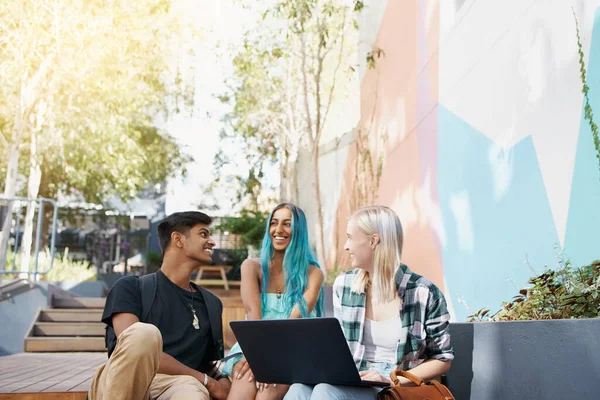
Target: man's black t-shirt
{"points": [[170, 313]]}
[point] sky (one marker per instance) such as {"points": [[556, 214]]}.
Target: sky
{"points": [[222, 24]]}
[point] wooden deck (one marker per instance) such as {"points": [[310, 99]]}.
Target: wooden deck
{"points": [[29, 376], [68, 375]]}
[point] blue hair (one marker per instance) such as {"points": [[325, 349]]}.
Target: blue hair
{"points": [[296, 263]]}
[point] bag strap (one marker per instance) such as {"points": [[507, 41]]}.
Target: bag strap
{"points": [[148, 284], [229, 356], [444, 391], [414, 379]]}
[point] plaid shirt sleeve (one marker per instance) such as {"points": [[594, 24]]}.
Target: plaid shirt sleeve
{"points": [[437, 327]]}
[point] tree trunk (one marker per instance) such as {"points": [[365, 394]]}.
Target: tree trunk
{"points": [[33, 187], [294, 177], [27, 102], [10, 189], [288, 175], [48, 191], [284, 178], [317, 190]]}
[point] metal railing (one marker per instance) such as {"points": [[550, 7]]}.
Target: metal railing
{"points": [[12, 223], [9, 290]]}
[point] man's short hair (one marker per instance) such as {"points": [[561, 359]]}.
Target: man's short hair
{"points": [[179, 222]]}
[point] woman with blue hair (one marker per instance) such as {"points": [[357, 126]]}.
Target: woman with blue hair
{"points": [[285, 282]]}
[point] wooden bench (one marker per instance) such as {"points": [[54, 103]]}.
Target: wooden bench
{"points": [[221, 269]]}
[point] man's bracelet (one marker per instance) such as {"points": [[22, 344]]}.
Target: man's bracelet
{"points": [[205, 379]]}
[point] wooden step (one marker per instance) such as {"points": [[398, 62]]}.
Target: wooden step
{"points": [[68, 329], [61, 343], [78, 302], [44, 396], [70, 315]]}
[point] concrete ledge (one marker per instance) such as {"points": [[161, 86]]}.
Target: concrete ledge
{"points": [[548, 360], [17, 315]]}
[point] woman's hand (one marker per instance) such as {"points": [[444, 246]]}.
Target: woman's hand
{"points": [[240, 369], [263, 386], [374, 376]]}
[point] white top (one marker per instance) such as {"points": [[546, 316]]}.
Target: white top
{"points": [[381, 340]]}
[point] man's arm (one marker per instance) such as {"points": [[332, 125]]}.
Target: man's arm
{"points": [[170, 366], [218, 389]]}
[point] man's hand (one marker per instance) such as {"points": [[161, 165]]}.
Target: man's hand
{"points": [[219, 390], [240, 369], [374, 376]]}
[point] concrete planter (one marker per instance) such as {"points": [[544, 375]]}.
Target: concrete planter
{"points": [[547, 360]]}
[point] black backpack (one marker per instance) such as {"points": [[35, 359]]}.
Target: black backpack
{"points": [[148, 286]]}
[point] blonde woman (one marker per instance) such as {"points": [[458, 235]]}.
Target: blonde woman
{"points": [[391, 317]]}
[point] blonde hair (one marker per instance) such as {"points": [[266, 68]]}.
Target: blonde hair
{"points": [[384, 222]]}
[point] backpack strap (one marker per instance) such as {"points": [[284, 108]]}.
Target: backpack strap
{"points": [[148, 284], [215, 315]]}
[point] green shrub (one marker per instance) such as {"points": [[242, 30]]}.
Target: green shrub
{"points": [[250, 225], [332, 274], [564, 293], [154, 261], [63, 268]]}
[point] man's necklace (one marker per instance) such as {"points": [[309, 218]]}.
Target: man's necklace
{"points": [[195, 322]]}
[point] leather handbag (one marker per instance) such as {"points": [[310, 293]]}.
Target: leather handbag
{"points": [[432, 390]]}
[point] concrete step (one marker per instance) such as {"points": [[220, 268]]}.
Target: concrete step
{"points": [[78, 302], [63, 343], [68, 329], [70, 315]]}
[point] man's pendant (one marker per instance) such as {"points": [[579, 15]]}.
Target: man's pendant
{"points": [[196, 323]]}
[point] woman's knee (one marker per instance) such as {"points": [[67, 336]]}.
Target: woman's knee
{"points": [[299, 391], [322, 390], [326, 391], [242, 388], [272, 392]]}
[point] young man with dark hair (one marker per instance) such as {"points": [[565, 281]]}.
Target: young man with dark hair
{"points": [[164, 333]]}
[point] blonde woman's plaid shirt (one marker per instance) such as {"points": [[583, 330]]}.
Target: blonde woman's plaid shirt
{"points": [[425, 319]]}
